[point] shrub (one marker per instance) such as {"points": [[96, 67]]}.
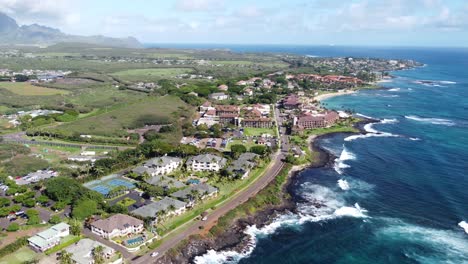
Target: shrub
{"points": [[10, 248], [13, 227]]}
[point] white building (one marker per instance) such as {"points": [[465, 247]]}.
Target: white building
{"points": [[206, 162], [159, 166], [49, 238], [116, 226]]}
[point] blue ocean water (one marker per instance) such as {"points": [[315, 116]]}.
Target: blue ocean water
{"points": [[396, 195]]}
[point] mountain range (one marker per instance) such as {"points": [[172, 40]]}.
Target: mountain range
{"points": [[11, 33]]}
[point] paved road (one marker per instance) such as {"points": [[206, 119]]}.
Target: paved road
{"points": [[213, 217], [270, 174]]}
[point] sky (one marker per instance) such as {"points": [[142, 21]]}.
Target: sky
{"points": [[295, 22]]}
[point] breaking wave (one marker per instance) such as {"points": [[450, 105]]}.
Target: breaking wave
{"points": [[441, 246], [343, 184], [340, 161], [434, 121], [394, 90], [321, 204], [464, 225], [372, 132]]}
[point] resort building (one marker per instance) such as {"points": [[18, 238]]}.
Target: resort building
{"points": [[218, 96], [49, 238], [310, 121], [242, 166], [82, 252], [166, 206], [116, 226], [291, 102], [259, 122], [206, 162], [159, 166], [227, 109]]}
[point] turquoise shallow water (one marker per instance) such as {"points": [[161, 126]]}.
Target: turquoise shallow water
{"points": [[396, 196]]}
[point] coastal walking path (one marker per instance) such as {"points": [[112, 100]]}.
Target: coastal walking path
{"points": [[194, 228]]}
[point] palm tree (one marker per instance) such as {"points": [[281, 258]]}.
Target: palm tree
{"points": [[65, 257], [98, 254]]}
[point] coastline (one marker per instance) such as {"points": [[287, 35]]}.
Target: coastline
{"points": [[325, 96], [233, 238]]}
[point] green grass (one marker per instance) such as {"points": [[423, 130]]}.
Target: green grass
{"points": [[152, 74], [249, 131], [65, 242], [22, 165], [25, 88], [20, 256], [114, 123], [126, 202]]}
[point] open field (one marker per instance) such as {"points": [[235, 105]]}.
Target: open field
{"points": [[278, 64], [22, 255], [248, 131], [116, 122], [151, 74], [25, 88]]}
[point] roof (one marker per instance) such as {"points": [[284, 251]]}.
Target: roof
{"points": [[118, 221], [227, 108], [152, 209], [82, 250], [165, 181], [207, 158], [44, 238], [161, 161], [201, 188]]}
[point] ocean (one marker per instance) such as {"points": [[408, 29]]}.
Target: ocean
{"points": [[396, 195]]}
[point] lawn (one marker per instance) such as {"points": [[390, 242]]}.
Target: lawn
{"points": [[249, 131], [25, 88], [115, 122], [150, 74], [64, 242], [22, 255], [126, 202]]}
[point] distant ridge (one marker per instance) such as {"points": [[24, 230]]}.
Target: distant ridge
{"points": [[13, 34]]}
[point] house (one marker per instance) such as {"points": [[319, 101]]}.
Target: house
{"points": [[248, 91], [218, 96], [229, 119], [243, 164], [82, 251], [205, 106], [203, 190], [210, 113], [116, 226], [36, 177], [159, 166], [167, 205], [49, 238], [206, 162], [223, 87]]}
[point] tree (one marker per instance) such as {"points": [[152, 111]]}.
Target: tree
{"points": [[33, 217], [21, 78], [237, 150], [4, 202], [259, 150], [98, 255], [13, 227], [84, 208], [65, 257], [43, 199], [55, 219], [75, 227]]}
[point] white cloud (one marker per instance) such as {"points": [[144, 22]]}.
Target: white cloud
{"points": [[199, 5]]}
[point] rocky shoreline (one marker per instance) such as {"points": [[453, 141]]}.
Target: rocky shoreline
{"points": [[235, 238]]}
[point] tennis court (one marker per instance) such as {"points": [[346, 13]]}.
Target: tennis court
{"points": [[105, 185]]}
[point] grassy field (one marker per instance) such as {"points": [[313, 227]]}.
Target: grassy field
{"points": [[150, 74], [25, 88], [115, 122], [249, 131], [20, 256]]}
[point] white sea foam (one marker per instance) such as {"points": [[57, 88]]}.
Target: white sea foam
{"points": [[343, 184], [434, 121], [464, 225], [394, 90], [365, 116], [355, 211], [442, 246], [372, 132], [448, 82], [340, 161], [414, 139]]}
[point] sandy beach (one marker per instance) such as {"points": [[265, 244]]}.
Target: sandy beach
{"points": [[330, 95]]}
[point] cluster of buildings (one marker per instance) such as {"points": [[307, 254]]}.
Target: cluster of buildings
{"points": [[256, 116], [37, 176], [39, 75], [305, 114], [327, 79], [14, 118]]}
